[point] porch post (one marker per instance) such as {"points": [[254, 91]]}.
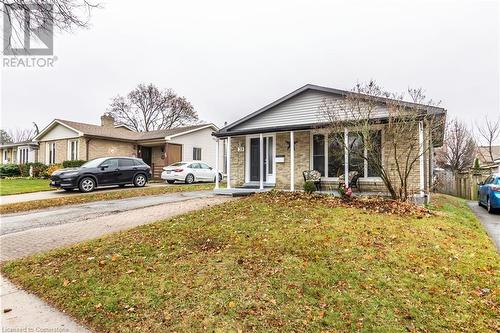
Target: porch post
{"points": [[292, 161], [228, 162], [346, 156], [217, 164], [261, 162], [421, 153]]}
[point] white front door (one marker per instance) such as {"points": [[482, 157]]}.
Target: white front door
{"points": [[253, 158]]}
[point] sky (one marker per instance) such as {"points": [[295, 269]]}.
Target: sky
{"points": [[230, 58]]}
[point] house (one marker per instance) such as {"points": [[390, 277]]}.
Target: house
{"points": [[272, 146], [69, 140], [19, 153], [483, 153]]}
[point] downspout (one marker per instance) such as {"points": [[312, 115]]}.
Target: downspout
{"points": [[87, 141]]}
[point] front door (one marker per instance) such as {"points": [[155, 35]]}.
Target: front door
{"points": [[267, 156], [146, 155]]}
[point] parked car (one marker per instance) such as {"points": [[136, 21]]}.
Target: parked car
{"points": [[189, 172], [102, 172], [489, 193]]}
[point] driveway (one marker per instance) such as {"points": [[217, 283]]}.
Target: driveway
{"points": [[491, 222], [55, 194], [26, 233], [22, 234]]}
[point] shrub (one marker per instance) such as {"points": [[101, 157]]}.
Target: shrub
{"points": [[73, 164], [309, 187], [9, 170], [53, 168], [38, 169]]}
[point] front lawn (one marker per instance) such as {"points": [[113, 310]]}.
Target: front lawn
{"points": [[77, 198], [282, 263], [23, 185]]}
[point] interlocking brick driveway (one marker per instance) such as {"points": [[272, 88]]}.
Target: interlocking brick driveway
{"points": [[32, 232]]}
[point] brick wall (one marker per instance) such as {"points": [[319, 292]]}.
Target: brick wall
{"points": [[102, 148], [302, 159], [237, 162]]}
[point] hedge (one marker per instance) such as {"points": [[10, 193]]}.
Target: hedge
{"points": [[39, 169], [9, 170], [73, 164]]}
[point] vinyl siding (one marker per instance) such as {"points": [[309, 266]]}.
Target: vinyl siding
{"points": [[303, 109]]}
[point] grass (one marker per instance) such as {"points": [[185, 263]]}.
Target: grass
{"points": [[23, 185], [99, 196], [271, 263]]}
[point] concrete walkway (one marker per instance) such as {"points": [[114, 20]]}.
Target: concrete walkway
{"points": [[27, 313], [32, 232], [15, 198], [491, 222]]}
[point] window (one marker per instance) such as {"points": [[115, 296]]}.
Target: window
{"points": [[359, 154], [335, 155], [124, 162], [204, 166], [356, 153], [51, 153], [195, 166], [319, 153], [23, 155], [196, 154], [270, 155], [112, 163], [72, 150], [374, 153], [6, 156]]}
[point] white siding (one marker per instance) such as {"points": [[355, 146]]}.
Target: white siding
{"points": [[59, 132], [200, 139], [303, 109]]}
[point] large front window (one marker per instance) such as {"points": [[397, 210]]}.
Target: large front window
{"points": [[51, 153], [73, 150], [364, 159]]}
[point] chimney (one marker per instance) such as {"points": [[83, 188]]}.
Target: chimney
{"points": [[107, 120]]}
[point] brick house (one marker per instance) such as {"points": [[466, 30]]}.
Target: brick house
{"points": [[274, 145], [69, 140]]}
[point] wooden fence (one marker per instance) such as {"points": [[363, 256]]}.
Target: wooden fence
{"points": [[463, 184]]}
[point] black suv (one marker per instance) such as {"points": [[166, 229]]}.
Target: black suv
{"points": [[102, 172]]}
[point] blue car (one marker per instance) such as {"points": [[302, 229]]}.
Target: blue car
{"points": [[489, 193]]}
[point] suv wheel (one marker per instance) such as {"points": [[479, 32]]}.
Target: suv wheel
{"points": [[189, 179], [140, 180], [87, 184]]}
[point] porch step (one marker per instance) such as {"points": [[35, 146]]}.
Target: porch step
{"points": [[256, 186]]}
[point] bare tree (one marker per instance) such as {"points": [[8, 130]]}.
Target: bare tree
{"points": [[459, 147], [368, 109], [22, 134], [44, 15], [489, 132], [147, 108], [5, 137]]}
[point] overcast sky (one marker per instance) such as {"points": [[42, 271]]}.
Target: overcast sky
{"points": [[230, 58]]}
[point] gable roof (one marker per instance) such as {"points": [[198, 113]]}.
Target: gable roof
{"points": [[121, 132], [310, 87]]}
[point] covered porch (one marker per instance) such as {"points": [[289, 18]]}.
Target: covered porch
{"points": [[159, 154], [278, 159]]}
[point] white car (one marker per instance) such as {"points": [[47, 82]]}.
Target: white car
{"points": [[189, 172]]}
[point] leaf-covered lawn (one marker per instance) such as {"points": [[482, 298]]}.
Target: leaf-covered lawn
{"points": [[23, 185], [76, 198], [279, 263]]}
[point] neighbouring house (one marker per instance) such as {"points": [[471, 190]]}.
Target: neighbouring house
{"points": [[19, 152], [483, 153], [69, 140], [289, 134]]}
